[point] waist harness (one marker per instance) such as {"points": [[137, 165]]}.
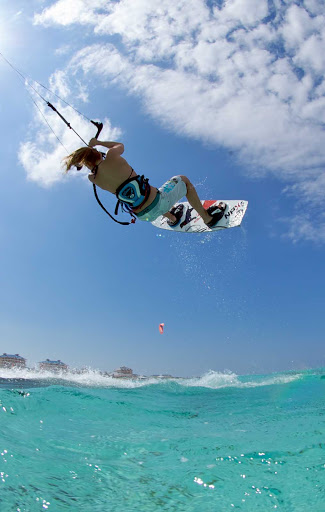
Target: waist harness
{"points": [[132, 193]]}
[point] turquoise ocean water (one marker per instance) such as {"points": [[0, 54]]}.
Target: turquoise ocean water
{"points": [[217, 443]]}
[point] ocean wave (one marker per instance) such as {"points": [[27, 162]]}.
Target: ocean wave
{"points": [[217, 380], [89, 378], [94, 378]]}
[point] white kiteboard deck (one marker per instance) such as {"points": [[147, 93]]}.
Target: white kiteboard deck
{"points": [[192, 222]]}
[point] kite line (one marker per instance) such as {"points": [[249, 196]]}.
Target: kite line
{"points": [[97, 124]]}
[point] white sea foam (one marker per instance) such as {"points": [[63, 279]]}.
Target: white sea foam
{"points": [[272, 380], [87, 378], [213, 380], [217, 380], [94, 378]]}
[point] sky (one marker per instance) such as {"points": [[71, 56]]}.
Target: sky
{"points": [[230, 93]]}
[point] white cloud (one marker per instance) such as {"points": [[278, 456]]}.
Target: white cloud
{"points": [[59, 85], [298, 25], [314, 6], [246, 74], [311, 55], [66, 12], [307, 229], [42, 159], [63, 50], [313, 187], [248, 12]]}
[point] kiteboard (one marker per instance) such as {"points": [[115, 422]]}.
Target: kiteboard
{"points": [[192, 222]]}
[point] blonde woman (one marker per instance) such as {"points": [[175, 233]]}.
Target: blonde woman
{"points": [[114, 173]]}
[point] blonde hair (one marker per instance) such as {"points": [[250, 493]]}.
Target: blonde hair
{"points": [[80, 157]]}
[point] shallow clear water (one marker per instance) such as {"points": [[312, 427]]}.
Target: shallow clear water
{"points": [[211, 444]]}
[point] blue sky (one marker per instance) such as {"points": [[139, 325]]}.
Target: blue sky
{"points": [[229, 93]]}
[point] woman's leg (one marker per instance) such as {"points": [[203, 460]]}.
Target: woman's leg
{"points": [[195, 201]]}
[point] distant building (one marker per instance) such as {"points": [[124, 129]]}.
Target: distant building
{"points": [[12, 361], [123, 373], [52, 366]]}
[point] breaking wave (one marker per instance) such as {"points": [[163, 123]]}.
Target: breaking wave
{"points": [[96, 379], [216, 380]]}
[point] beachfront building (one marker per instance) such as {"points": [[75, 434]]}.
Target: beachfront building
{"points": [[12, 361], [52, 366], [123, 373]]}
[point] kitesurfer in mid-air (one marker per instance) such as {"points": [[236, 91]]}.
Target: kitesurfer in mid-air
{"points": [[113, 173]]}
